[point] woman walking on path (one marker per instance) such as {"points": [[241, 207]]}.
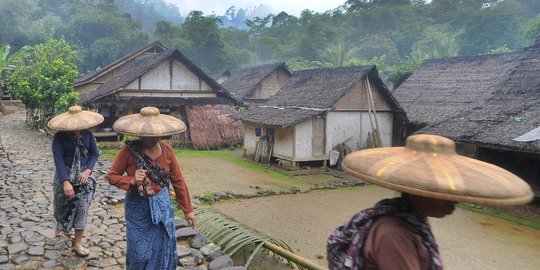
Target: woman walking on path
{"points": [[150, 166], [395, 234], [75, 155]]}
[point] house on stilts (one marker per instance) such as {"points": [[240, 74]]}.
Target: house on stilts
{"points": [[164, 78], [318, 110]]}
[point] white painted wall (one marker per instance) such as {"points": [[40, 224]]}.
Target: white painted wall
{"points": [[283, 142], [303, 136], [341, 125], [184, 79], [250, 140], [157, 78], [134, 85]]}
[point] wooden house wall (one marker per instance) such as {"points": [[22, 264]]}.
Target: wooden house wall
{"points": [[357, 99], [171, 79], [303, 141], [250, 139], [283, 142], [341, 125], [270, 85], [89, 87]]}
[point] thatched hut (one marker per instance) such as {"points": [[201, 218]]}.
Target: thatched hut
{"points": [[319, 109], [502, 125], [156, 76], [442, 88], [253, 85]]}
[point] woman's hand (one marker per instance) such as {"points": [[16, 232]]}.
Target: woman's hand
{"points": [[69, 193], [191, 219], [140, 175], [84, 176]]}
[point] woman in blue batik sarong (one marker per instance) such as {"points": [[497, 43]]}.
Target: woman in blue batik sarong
{"points": [[150, 166], [75, 154]]}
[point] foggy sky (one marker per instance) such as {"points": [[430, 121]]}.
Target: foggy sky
{"points": [[290, 6]]}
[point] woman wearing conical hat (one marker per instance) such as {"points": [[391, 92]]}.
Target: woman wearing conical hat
{"points": [[432, 178], [150, 166], [75, 154]]}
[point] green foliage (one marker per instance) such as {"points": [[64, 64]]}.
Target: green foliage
{"points": [[501, 49], [105, 30], [437, 42], [44, 75], [232, 236], [400, 73], [533, 28]]}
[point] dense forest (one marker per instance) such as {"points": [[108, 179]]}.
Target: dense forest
{"points": [[397, 35]]}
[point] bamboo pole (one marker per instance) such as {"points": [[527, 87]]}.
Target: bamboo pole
{"points": [[377, 133], [292, 257]]}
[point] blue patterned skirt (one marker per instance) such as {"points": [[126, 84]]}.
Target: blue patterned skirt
{"points": [[151, 235]]}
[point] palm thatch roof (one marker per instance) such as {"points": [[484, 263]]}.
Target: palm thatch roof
{"points": [[137, 68], [211, 126], [243, 82], [155, 47], [312, 92], [442, 88], [511, 111]]}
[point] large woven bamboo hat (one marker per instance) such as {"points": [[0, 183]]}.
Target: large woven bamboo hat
{"points": [[75, 119], [428, 166], [149, 123]]}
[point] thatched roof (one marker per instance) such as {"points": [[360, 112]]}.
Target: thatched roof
{"points": [[161, 102], [512, 110], [155, 46], [211, 127], [312, 92], [443, 88], [138, 68], [242, 83]]}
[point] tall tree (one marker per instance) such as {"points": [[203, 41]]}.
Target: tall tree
{"points": [[43, 78]]}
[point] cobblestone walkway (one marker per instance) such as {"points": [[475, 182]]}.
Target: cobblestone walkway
{"points": [[27, 239], [26, 222]]}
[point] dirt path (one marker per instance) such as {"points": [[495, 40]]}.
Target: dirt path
{"points": [[210, 174], [467, 240]]}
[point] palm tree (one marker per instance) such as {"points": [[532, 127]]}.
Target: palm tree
{"points": [[4, 52]]}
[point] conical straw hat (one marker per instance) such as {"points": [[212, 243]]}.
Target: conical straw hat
{"points": [[75, 119], [149, 123], [428, 166]]}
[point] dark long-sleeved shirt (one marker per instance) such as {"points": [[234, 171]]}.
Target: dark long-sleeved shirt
{"points": [[63, 150]]}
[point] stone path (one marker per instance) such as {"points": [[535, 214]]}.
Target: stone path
{"points": [[27, 238]]}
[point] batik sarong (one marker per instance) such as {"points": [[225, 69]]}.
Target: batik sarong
{"points": [[151, 235], [73, 213]]}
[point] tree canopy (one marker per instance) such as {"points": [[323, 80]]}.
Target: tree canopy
{"points": [[402, 32]]}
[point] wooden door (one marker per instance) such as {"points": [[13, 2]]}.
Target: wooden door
{"points": [[317, 140]]}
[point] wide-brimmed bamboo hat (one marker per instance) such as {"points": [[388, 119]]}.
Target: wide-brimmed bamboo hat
{"points": [[149, 123], [429, 166], [75, 119]]}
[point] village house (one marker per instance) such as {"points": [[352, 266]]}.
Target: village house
{"points": [[157, 76], [319, 109], [490, 105], [253, 85]]}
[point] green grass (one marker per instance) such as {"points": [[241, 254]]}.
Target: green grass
{"points": [[108, 153], [523, 221], [230, 157]]}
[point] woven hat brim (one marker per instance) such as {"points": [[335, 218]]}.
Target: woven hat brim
{"points": [[452, 178], [154, 126], [77, 121]]}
